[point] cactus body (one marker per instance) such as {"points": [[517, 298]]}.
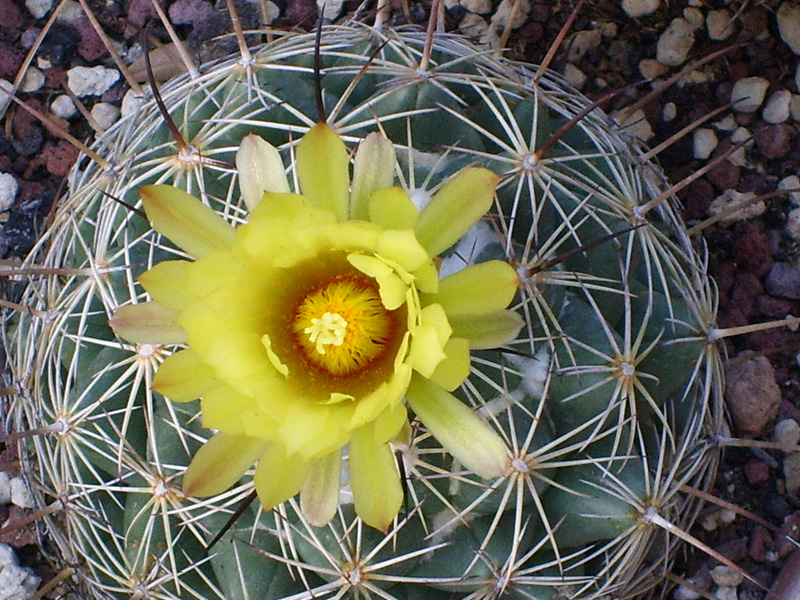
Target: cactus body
{"points": [[607, 399]]}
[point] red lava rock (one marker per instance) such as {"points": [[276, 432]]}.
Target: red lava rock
{"points": [[754, 22], [745, 291], [790, 528], [756, 472], [752, 395], [139, 11], [11, 59], [59, 158], [301, 12], [699, 195], [776, 308], [760, 542], [725, 175], [775, 141], [91, 47], [734, 550], [10, 14], [752, 252], [187, 12], [19, 536]]}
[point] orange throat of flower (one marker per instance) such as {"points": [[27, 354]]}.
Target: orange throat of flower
{"points": [[340, 327]]}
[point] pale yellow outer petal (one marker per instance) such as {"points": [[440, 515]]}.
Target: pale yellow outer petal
{"points": [[279, 476], [227, 410], [392, 289], [147, 323], [401, 247], [323, 167], [487, 331], [374, 479], [221, 462], [477, 290], [183, 376], [185, 220], [460, 431], [454, 369], [168, 283], [388, 394], [373, 169], [392, 209], [260, 170], [319, 496], [428, 340], [460, 203]]}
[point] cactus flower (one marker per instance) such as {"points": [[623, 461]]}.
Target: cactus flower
{"points": [[312, 328]]}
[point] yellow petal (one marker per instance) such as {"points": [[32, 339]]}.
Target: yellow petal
{"points": [[279, 476], [221, 462], [228, 410], [392, 289], [319, 496], [389, 423], [183, 376], [185, 220], [147, 323], [460, 203], [388, 394], [168, 283], [323, 167], [274, 359], [459, 430], [402, 247], [478, 290], [454, 369], [392, 209], [374, 480], [428, 340], [487, 331], [373, 169], [260, 170]]}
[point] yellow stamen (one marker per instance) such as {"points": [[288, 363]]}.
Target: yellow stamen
{"points": [[330, 329], [341, 327]]}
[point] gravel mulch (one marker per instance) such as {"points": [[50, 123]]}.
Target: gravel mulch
{"points": [[753, 255]]}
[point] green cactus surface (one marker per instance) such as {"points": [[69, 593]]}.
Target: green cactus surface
{"points": [[609, 399]]}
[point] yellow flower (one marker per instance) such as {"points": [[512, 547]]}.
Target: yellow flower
{"points": [[309, 329]]}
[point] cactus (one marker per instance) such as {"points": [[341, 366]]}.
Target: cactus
{"points": [[607, 400]]}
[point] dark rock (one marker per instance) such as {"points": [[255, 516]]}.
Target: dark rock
{"points": [[783, 280], [776, 308], [752, 395], [10, 15], [59, 45], [188, 12], [91, 47], [752, 251], [760, 542], [745, 291], [11, 59], [59, 158], [775, 141], [756, 472]]}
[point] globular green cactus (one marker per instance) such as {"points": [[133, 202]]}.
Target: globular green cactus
{"points": [[607, 401]]}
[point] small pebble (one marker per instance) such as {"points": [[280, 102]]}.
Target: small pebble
{"points": [[748, 93], [695, 17], [731, 198], [473, 26], [675, 43], [788, 16], [105, 114], [34, 80], [63, 107], [583, 42], [725, 575], [651, 69], [725, 592], [16, 583], [756, 472], [640, 8], [70, 13], [85, 81], [669, 112], [38, 8], [331, 8], [574, 75], [685, 593], [704, 142], [794, 107], [791, 472], [752, 395], [777, 108], [787, 432], [502, 16], [8, 191], [792, 182], [20, 494], [5, 488], [726, 124], [793, 224], [5, 99], [636, 125], [478, 7], [720, 24]]}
